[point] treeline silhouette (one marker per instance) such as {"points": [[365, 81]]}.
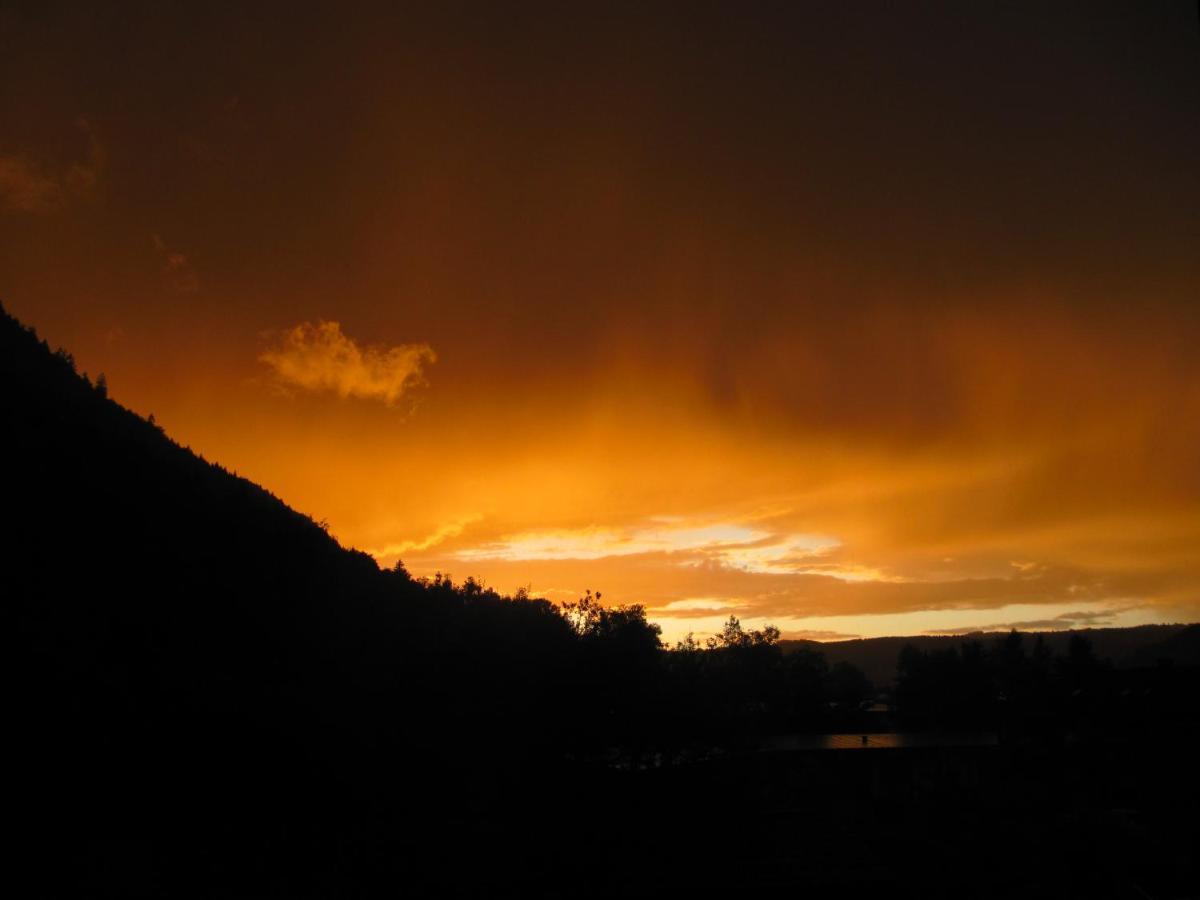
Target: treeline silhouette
{"points": [[213, 698], [1127, 647], [1023, 689]]}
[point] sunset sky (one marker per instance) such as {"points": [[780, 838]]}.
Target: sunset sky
{"points": [[854, 318]]}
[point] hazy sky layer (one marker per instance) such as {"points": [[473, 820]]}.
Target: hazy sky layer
{"points": [[855, 318]]}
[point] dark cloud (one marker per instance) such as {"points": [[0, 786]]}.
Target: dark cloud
{"points": [[816, 635], [1067, 621], [919, 280]]}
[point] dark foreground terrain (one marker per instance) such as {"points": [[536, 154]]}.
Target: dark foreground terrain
{"points": [[211, 698]]}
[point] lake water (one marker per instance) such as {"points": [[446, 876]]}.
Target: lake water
{"points": [[884, 741]]}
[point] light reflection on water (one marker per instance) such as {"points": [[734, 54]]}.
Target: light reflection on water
{"points": [[883, 741]]}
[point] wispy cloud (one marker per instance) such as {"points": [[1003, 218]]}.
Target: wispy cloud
{"points": [[598, 543], [25, 187], [179, 274], [321, 358], [29, 186], [732, 546], [389, 553]]}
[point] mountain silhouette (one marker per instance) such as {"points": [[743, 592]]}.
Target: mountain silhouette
{"points": [[1136, 645], [201, 666]]}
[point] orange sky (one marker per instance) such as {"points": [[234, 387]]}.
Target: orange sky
{"points": [[857, 322]]}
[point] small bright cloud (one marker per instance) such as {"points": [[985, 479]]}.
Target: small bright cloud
{"points": [[321, 358]]}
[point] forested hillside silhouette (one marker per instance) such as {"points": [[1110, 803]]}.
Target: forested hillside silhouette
{"points": [[202, 666], [1123, 647], [211, 697]]}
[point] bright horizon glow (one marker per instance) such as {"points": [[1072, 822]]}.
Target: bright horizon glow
{"points": [[596, 543]]}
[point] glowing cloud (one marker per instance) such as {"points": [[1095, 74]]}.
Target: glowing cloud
{"points": [[598, 543], [389, 553], [320, 358], [706, 604], [782, 555]]}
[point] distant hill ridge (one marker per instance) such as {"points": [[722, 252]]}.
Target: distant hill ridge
{"points": [[1139, 645]]}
